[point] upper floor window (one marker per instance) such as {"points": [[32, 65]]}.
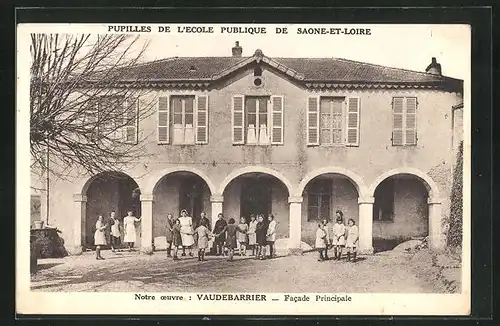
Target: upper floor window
{"points": [[257, 120], [404, 121], [333, 121], [114, 117], [183, 119]]}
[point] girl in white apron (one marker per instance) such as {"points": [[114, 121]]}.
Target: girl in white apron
{"points": [[99, 237], [352, 239], [129, 226], [338, 235]]}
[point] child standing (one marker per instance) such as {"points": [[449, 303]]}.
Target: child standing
{"points": [[327, 239], [321, 241], [352, 239], [252, 238], [338, 235], [99, 237], [204, 235], [116, 234], [176, 237], [243, 236], [220, 237], [271, 235], [261, 232], [168, 235], [231, 229]]}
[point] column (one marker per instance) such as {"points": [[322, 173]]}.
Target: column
{"points": [[79, 226], [295, 239], [147, 223], [365, 207], [436, 237], [216, 201]]}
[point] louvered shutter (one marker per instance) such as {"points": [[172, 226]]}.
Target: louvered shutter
{"points": [[411, 121], [131, 122], [238, 119], [202, 119], [163, 120], [277, 120], [313, 120], [353, 113], [397, 121]]}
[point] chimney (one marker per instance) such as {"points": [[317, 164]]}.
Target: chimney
{"points": [[237, 50], [434, 68]]}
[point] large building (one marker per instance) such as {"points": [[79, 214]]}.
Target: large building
{"points": [[298, 137]]}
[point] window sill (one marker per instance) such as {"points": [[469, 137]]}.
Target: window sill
{"points": [[331, 145], [178, 144], [258, 145]]}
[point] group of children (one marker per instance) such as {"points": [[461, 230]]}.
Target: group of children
{"points": [[112, 229], [342, 237], [256, 235]]}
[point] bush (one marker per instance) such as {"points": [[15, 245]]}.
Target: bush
{"points": [[49, 243], [454, 235]]}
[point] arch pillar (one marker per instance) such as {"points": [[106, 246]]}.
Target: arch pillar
{"points": [[79, 223], [436, 236], [365, 207], [147, 223], [295, 228]]}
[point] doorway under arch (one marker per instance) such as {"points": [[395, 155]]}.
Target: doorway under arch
{"points": [[107, 192]]}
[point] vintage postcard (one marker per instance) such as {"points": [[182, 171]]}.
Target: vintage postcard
{"points": [[231, 169]]}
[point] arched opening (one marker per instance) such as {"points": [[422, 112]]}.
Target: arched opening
{"points": [[107, 192], [400, 211], [257, 193], [323, 195], [174, 192]]}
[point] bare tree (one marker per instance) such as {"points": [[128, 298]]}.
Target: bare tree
{"points": [[86, 102]]}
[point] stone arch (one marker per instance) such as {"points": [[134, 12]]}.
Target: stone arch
{"points": [[430, 185], [156, 176], [256, 169], [355, 179], [82, 185]]}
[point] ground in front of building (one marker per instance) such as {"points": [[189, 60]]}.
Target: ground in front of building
{"points": [[132, 272]]}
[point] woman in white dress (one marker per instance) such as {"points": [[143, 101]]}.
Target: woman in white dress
{"points": [[187, 232], [129, 226], [99, 237]]}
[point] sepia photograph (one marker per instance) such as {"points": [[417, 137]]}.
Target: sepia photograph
{"points": [[301, 164]]}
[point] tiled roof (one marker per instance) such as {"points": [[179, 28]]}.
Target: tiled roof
{"points": [[327, 70]]}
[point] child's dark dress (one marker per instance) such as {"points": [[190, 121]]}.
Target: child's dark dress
{"points": [[176, 235], [261, 233], [231, 236], [218, 229]]}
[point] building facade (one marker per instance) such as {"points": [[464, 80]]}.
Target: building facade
{"points": [[296, 137]]}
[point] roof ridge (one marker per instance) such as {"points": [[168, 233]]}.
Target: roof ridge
{"points": [[393, 68]]}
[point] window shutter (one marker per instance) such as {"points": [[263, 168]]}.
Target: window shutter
{"points": [[313, 120], [238, 119], [411, 121], [352, 134], [277, 120], [163, 120], [131, 122], [202, 119], [397, 121]]}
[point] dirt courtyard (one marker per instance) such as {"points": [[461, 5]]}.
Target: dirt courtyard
{"points": [[133, 272]]}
